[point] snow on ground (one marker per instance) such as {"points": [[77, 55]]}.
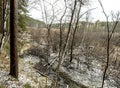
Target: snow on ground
{"points": [[27, 74]]}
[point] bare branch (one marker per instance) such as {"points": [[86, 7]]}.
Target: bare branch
{"points": [[87, 12]]}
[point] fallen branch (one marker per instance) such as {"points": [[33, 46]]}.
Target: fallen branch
{"points": [[51, 62], [37, 70]]}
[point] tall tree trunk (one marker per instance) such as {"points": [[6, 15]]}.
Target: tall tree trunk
{"points": [[13, 38], [0, 16], [69, 32], [74, 32]]}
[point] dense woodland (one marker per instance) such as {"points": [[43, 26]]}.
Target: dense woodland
{"points": [[64, 49]]}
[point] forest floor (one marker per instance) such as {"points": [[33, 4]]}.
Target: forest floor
{"points": [[84, 69], [27, 74], [28, 77]]}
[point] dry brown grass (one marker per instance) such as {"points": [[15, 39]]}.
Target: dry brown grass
{"points": [[4, 62], [95, 39]]}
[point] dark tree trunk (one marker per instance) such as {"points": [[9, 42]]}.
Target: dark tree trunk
{"points": [[13, 38], [1, 15]]}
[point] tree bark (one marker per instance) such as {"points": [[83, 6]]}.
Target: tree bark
{"points": [[13, 38]]}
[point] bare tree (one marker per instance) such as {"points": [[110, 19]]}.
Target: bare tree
{"points": [[13, 38], [69, 31], [74, 30], [109, 36], [48, 19], [60, 47]]}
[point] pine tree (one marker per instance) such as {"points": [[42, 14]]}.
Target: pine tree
{"points": [[22, 14]]}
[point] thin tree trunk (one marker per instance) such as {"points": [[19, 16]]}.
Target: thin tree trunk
{"points": [[74, 32], [3, 26], [109, 36], [69, 32], [13, 38], [60, 49]]}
